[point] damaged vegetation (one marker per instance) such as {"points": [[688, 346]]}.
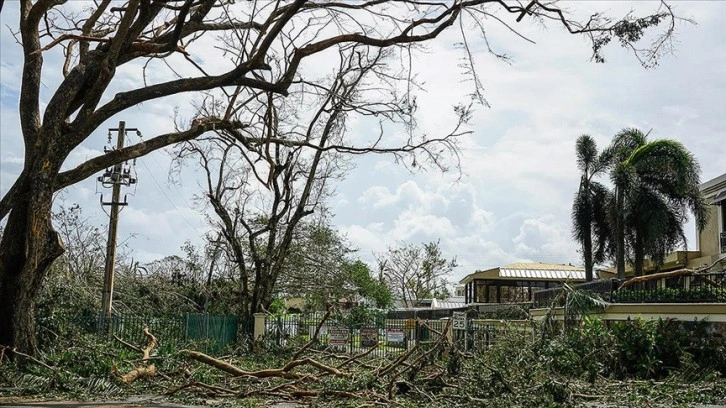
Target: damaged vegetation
{"points": [[635, 363]]}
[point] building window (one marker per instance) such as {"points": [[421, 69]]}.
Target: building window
{"points": [[722, 235]]}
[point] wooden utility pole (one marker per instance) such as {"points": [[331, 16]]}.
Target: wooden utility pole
{"points": [[114, 178]]}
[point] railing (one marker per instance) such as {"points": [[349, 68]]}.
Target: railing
{"points": [[480, 334], [701, 288], [604, 288]]}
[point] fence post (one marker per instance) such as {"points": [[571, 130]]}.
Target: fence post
{"points": [[259, 328], [450, 331], [351, 334]]}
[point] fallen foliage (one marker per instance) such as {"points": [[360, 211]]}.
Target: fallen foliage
{"points": [[519, 369]]}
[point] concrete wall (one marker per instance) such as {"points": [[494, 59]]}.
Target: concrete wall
{"points": [[708, 239]]}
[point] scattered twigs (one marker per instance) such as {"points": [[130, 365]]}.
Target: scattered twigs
{"points": [[284, 372], [419, 361], [217, 389], [15, 351], [395, 363], [357, 356]]}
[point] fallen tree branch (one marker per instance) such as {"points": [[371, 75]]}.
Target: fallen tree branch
{"points": [[153, 342], [143, 370], [284, 372], [673, 274], [127, 344], [15, 351], [135, 373], [357, 356], [395, 363]]}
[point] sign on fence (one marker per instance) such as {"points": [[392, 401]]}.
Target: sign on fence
{"points": [[395, 335], [458, 321], [338, 337], [368, 336]]}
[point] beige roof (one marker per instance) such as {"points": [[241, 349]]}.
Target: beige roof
{"points": [[535, 271]]}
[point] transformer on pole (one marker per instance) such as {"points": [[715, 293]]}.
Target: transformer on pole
{"points": [[114, 177]]}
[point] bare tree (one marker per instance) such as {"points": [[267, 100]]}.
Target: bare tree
{"points": [[416, 272], [274, 39], [260, 194]]}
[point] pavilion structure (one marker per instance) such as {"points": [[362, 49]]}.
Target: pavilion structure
{"points": [[517, 282]]}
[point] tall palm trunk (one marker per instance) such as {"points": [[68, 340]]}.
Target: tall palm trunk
{"points": [[587, 246], [638, 255], [620, 233]]}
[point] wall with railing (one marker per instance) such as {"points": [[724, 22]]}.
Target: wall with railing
{"points": [[695, 288]]}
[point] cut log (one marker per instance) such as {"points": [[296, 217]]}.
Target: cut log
{"points": [[136, 373]]}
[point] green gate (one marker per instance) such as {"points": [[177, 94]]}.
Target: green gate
{"points": [[216, 331]]}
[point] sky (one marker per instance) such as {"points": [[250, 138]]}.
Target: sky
{"points": [[511, 201]]}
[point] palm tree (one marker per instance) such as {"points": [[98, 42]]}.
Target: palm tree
{"points": [[589, 219], [656, 182], [654, 227]]}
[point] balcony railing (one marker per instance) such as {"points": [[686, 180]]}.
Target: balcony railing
{"points": [[701, 288]]}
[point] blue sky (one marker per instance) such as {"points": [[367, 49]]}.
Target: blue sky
{"points": [[512, 200]]}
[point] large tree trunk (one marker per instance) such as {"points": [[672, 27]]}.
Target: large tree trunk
{"points": [[29, 246]]}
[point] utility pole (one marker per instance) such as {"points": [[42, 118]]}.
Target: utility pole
{"points": [[115, 177]]}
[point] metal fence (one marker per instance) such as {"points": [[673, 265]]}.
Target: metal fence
{"points": [[701, 288], [604, 288], [388, 336], [338, 334], [213, 332]]}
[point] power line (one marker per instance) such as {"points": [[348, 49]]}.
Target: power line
{"points": [[151, 174], [161, 189]]}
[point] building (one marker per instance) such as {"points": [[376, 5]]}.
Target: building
{"points": [[517, 282], [712, 240]]}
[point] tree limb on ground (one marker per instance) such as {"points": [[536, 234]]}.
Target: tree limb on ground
{"points": [[284, 372], [143, 370]]}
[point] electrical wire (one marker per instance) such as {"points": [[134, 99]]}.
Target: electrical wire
{"points": [[151, 174]]}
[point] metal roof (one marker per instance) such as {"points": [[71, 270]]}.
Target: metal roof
{"points": [[447, 304], [553, 274], [530, 271]]}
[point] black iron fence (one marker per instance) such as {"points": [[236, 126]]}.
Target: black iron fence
{"points": [[701, 288], [603, 288], [338, 334], [387, 336], [480, 334]]}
